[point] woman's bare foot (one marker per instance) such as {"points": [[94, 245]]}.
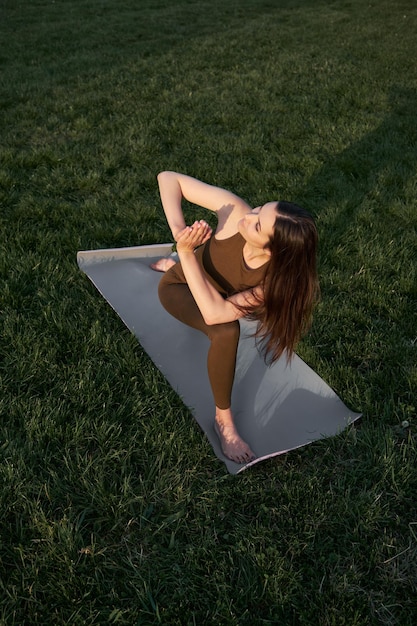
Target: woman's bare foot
{"points": [[163, 265], [232, 444]]}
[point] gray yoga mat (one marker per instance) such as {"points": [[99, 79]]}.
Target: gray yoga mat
{"points": [[277, 408]]}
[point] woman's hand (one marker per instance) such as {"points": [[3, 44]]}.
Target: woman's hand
{"points": [[193, 236]]}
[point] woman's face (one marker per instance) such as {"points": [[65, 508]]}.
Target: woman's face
{"points": [[257, 227]]}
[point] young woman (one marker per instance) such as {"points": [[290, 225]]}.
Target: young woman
{"points": [[260, 263]]}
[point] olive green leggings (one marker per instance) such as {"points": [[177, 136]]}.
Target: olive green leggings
{"points": [[224, 338]]}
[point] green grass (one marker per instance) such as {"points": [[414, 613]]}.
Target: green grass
{"points": [[113, 508]]}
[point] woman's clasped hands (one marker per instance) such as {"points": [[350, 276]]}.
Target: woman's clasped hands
{"points": [[190, 237]]}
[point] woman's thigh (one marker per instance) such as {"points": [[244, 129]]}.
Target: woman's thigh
{"points": [[178, 300]]}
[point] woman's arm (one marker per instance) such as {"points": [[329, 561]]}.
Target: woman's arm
{"points": [[174, 187], [213, 307]]}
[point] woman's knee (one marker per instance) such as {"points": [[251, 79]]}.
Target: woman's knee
{"points": [[225, 333], [169, 293], [162, 290]]}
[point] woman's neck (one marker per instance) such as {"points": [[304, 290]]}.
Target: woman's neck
{"points": [[254, 257]]}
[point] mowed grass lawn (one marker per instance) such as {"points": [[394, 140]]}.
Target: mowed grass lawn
{"points": [[113, 507]]}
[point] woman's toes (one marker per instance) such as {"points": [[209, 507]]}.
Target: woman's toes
{"points": [[162, 265], [233, 446]]}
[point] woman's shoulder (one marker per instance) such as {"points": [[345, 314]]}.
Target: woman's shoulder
{"points": [[229, 218]]}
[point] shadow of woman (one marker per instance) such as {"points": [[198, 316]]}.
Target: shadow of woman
{"points": [[364, 200], [368, 176]]}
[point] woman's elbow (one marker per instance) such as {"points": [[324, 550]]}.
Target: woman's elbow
{"points": [[209, 320], [215, 318], [164, 174]]}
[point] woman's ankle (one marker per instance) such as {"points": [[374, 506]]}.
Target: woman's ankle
{"points": [[224, 418]]}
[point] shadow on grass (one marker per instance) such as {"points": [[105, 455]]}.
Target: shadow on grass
{"points": [[375, 169], [363, 199]]}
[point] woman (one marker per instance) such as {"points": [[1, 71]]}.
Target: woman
{"points": [[260, 263]]}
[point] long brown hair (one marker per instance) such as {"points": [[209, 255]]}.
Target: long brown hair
{"points": [[291, 287]]}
